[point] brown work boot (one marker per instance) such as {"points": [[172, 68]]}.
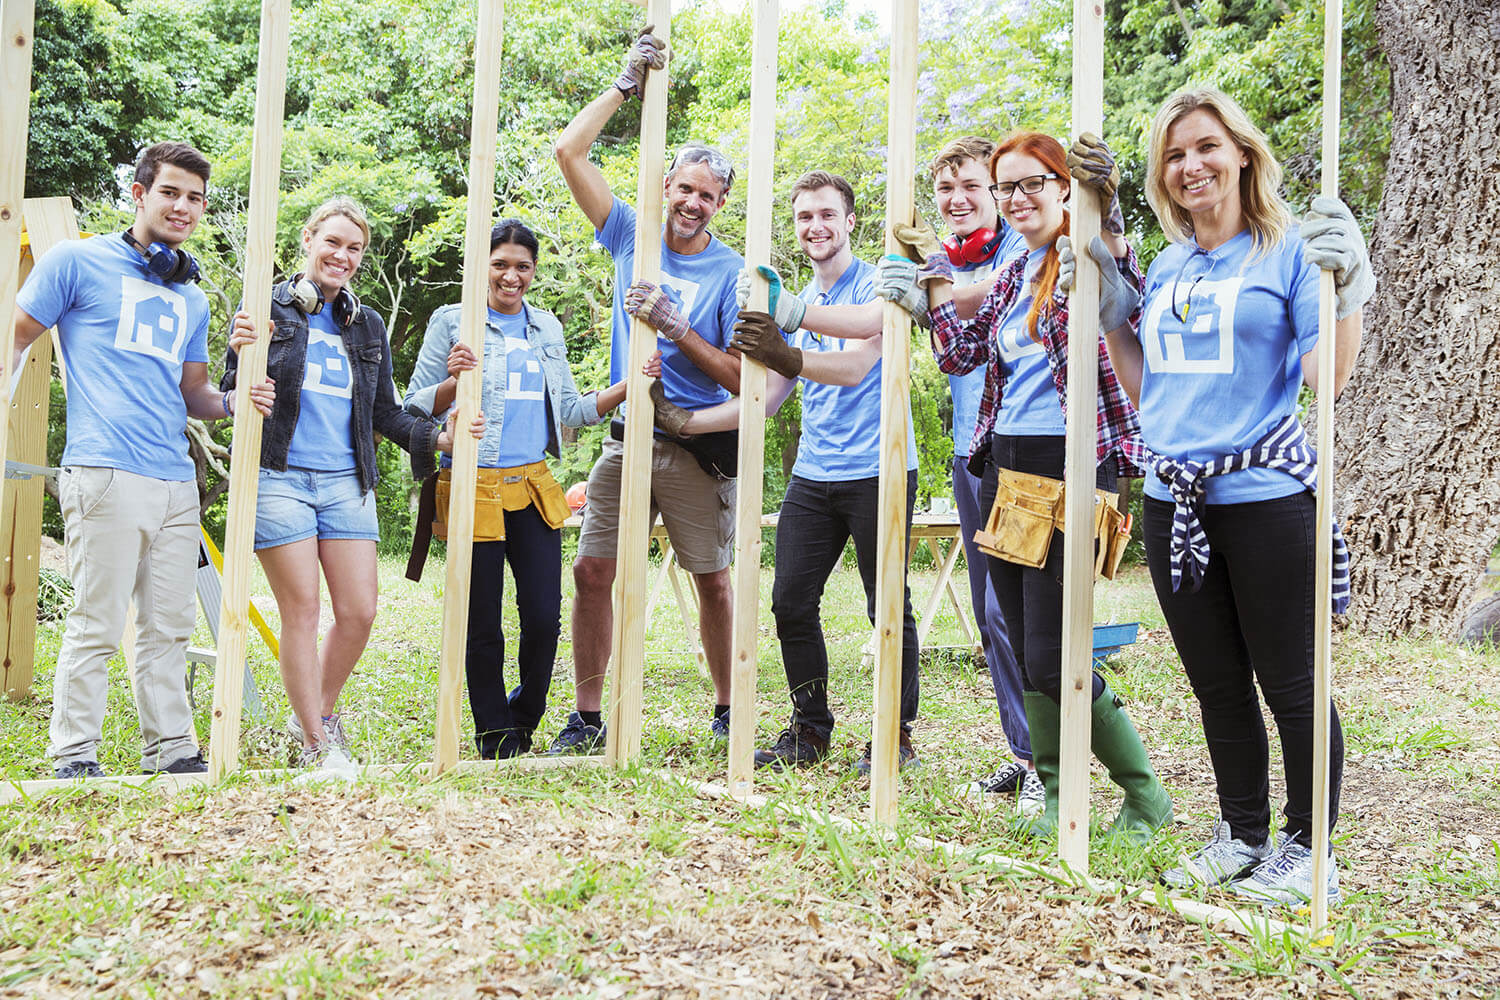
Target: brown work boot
{"points": [[905, 756], [797, 746]]}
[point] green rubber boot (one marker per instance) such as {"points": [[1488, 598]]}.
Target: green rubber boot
{"points": [[1147, 806], [1044, 720]]}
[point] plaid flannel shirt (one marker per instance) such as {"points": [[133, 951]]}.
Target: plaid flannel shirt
{"points": [[961, 347]]}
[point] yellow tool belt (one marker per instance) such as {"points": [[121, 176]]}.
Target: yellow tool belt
{"points": [[1029, 508], [499, 490]]}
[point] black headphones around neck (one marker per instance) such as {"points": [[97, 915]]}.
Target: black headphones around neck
{"points": [[174, 266], [308, 296]]}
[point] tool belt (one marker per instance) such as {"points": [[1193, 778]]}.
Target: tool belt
{"points": [[1028, 508], [495, 492]]}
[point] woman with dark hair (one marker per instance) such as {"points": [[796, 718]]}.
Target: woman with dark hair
{"points": [[1227, 339], [528, 393], [1020, 334]]}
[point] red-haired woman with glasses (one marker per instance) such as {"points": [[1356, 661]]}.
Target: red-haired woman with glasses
{"points": [[1020, 334]]}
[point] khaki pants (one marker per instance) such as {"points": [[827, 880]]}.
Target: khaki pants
{"points": [[127, 536]]}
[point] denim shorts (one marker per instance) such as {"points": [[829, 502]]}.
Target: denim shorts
{"points": [[309, 503]]}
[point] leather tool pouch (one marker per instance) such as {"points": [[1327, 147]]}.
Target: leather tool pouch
{"points": [[1029, 508], [495, 492]]}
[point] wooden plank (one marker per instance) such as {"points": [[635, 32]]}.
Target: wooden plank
{"points": [[1333, 21], [627, 662], [1082, 443], [895, 415], [244, 467], [49, 221], [483, 137], [747, 539], [15, 113]]}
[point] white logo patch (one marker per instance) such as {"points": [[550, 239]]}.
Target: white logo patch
{"points": [[153, 320], [327, 370], [682, 292], [1204, 344], [525, 381]]}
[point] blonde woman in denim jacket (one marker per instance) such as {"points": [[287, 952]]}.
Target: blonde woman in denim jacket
{"points": [[528, 393]]}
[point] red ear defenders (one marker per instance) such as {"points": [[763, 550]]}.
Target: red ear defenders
{"points": [[308, 296], [171, 266], [976, 248]]}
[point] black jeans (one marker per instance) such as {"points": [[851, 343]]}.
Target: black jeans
{"points": [[816, 520], [1251, 621], [535, 555], [1031, 599]]}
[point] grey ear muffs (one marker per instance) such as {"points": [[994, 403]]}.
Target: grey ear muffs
{"points": [[308, 297]]}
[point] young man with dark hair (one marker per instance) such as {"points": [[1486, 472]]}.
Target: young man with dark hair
{"points": [[693, 310], [132, 330], [833, 495]]}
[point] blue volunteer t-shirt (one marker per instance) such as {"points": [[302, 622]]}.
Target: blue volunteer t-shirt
{"points": [[1030, 406], [125, 335], [702, 286], [841, 424], [322, 438], [523, 437], [969, 387], [1223, 364]]}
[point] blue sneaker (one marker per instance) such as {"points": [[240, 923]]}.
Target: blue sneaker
{"points": [[577, 737]]}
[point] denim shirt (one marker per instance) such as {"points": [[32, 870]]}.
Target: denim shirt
{"points": [[373, 398], [566, 406]]}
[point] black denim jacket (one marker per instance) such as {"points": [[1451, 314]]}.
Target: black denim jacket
{"points": [[375, 404]]}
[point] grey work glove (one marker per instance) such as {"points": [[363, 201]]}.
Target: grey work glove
{"points": [[787, 309], [1117, 297], [898, 280], [1091, 163], [669, 416], [1334, 242], [648, 52], [757, 336]]}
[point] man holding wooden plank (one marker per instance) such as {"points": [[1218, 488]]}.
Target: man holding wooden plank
{"points": [[693, 310], [133, 330], [834, 491]]}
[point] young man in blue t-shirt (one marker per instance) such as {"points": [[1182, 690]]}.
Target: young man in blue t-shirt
{"points": [[132, 330], [693, 310]]}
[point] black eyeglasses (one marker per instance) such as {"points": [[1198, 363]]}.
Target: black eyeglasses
{"points": [[1187, 302], [1006, 190]]}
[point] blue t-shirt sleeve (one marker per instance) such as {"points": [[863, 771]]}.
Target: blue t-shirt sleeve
{"points": [[197, 345], [1302, 298], [618, 231], [49, 288], [729, 314], [864, 288]]}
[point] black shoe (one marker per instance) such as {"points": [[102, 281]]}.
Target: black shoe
{"points": [[79, 769], [797, 746], [718, 728], [906, 757], [577, 737], [501, 745], [1004, 782], [193, 763]]}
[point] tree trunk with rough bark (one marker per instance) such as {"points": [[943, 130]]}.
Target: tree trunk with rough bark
{"points": [[1419, 425]]}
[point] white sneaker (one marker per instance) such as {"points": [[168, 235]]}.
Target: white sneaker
{"points": [[997, 787], [1285, 878], [1223, 859], [325, 762], [1033, 798], [333, 731]]}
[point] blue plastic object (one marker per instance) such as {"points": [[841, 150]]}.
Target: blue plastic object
{"points": [[1110, 639]]}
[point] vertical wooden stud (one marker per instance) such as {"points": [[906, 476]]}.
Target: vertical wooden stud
{"points": [[1333, 21], [15, 113], [895, 414], [762, 143], [489, 41], [244, 468], [49, 221], [627, 660], [1082, 443]]}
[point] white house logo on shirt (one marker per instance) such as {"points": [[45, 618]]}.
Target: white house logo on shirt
{"points": [[153, 320], [1015, 341], [1204, 344], [524, 381], [683, 293], [327, 370]]}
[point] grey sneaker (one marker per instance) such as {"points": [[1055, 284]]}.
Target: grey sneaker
{"points": [[1223, 859], [1003, 783], [1033, 797], [1285, 878], [577, 737], [333, 731], [79, 769]]}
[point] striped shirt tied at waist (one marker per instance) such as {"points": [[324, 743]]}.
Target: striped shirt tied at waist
{"points": [[1285, 448]]}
